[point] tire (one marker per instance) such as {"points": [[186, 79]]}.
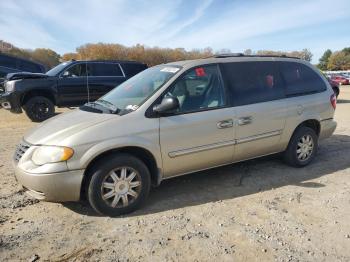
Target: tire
{"points": [[39, 108], [336, 91], [112, 195], [294, 155]]}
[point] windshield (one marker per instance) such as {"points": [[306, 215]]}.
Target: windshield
{"points": [[133, 92], [57, 69]]}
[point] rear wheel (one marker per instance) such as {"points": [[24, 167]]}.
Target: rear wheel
{"points": [[336, 91], [119, 185], [39, 108], [302, 147]]}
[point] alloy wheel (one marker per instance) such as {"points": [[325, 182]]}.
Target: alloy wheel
{"points": [[305, 147], [121, 187]]}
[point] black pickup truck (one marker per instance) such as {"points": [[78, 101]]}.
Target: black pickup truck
{"points": [[69, 84]]}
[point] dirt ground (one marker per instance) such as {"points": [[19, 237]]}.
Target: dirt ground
{"points": [[261, 210]]}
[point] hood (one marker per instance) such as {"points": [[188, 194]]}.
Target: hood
{"points": [[54, 130], [25, 75]]}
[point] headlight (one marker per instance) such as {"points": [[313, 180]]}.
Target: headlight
{"points": [[10, 85], [51, 154]]}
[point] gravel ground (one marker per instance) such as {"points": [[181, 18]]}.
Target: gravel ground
{"points": [[260, 210]]}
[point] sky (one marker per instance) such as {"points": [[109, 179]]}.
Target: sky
{"points": [[237, 25]]}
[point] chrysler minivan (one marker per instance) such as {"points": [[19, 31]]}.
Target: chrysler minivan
{"points": [[174, 119]]}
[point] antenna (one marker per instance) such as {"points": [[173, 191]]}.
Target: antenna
{"points": [[87, 82]]}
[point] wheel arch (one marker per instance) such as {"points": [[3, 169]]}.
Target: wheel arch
{"points": [[37, 92], [311, 123], [143, 154]]}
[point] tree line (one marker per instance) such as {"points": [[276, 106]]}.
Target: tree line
{"points": [[47, 57], [339, 60]]}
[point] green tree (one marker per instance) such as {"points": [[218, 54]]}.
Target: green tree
{"points": [[323, 62], [346, 50]]}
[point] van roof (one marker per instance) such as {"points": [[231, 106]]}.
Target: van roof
{"points": [[234, 58]]}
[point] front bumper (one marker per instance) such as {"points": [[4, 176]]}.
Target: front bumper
{"points": [[55, 187], [328, 127], [10, 101]]}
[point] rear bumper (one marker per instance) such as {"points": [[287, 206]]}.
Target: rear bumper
{"points": [[328, 127], [55, 187], [10, 101]]}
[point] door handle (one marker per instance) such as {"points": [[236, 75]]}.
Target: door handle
{"points": [[300, 109], [225, 123], [244, 120]]}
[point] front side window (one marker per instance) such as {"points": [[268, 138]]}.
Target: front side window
{"points": [[57, 69], [199, 89], [253, 82], [300, 79], [78, 70], [132, 93]]}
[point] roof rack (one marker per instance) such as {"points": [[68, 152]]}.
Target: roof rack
{"points": [[241, 54], [228, 55], [105, 60]]}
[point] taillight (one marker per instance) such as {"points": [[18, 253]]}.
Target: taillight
{"points": [[334, 101]]}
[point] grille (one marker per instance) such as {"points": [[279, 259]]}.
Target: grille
{"points": [[20, 150]]}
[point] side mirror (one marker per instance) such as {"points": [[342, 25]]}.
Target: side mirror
{"points": [[167, 105]]}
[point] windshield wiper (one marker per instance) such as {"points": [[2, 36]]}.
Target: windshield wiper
{"points": [[105, 102], [91, 107], [110, 106]]}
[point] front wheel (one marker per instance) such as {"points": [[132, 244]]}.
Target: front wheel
{"points": [[39, 108], [119, 185], [302, 147]]}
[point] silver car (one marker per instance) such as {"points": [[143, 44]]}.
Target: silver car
{"points": [[174, 119]]}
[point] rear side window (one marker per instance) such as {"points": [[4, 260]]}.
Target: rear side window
{"points": [[105, 69], [253, 82], [300, 79], [133, 69]]}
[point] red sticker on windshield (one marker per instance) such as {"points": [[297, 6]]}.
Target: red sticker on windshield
{"points": [[200, 71]]}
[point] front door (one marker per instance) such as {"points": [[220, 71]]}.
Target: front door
{"points": [[73, 86], [200, 134], [258, 95]]}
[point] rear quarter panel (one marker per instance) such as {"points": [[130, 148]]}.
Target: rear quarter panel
{"points": [[301, 108]]}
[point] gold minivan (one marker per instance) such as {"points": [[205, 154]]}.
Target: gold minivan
{"points": [[174, 119]]}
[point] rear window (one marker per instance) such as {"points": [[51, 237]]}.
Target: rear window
{"points": [[105, 69], [29, 67], [8, 61], [133, 69], [300, 79], [253, 82], [2, 74]]}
